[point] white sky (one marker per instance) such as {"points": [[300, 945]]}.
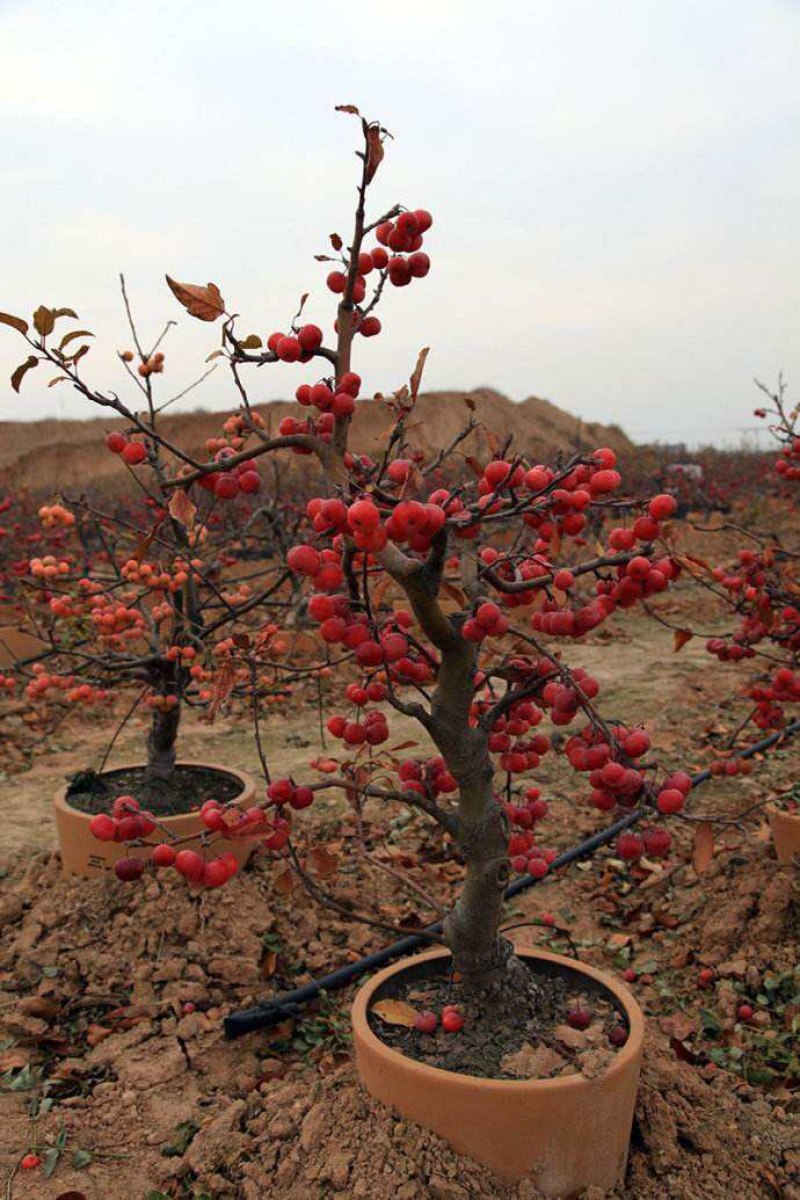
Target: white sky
{"points": [[614, 185]]}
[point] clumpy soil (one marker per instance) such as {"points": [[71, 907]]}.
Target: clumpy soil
{"points": [[188, 789], [527, 1033]]}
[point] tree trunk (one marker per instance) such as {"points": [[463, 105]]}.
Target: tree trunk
{"points": [[161, 744], [470, 929]]}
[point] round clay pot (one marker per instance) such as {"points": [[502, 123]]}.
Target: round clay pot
{"points": [[563, 1134], [82, 854], [786, 832]]}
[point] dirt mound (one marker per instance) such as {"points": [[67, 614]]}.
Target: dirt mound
{"points": [[67, 451], [110, 1032]]}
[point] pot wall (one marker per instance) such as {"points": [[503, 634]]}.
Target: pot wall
{"points": [[82, 854], [563, 1135], [786, 832]]}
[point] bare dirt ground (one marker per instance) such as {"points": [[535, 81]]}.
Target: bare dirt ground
{"points": [[127, 1093]]}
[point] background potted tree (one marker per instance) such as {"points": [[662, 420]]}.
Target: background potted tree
{"points": [[146, 593]]}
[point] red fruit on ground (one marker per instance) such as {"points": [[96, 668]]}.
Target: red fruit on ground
{"points": [[425, 1021], [452, 1021], [745, 1012], [30, 1162], [579, 1018], [705, 978]]}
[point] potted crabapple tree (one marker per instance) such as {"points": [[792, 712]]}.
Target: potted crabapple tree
{"points": [[759, 593], [141, 597], [453, 592]]}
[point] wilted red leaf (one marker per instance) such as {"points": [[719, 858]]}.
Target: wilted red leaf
{"points": [[181, 508], [205, 303], [682, 636], [703, 848], [375, 151]]}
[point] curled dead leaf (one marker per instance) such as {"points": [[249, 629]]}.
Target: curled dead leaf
{"points": [[348, 108], [375, 151], [416, 378], [682, 636], [21, 371]]}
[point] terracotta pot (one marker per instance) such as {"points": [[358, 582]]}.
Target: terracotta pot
{"points": [[82, 854], [563, 1135], [786, 832]]}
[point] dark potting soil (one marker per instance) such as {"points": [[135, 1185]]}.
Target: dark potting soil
{"points": [[527, 1036], [188, 788]]}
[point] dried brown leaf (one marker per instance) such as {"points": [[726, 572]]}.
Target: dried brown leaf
{"points": [[181, 508], [14, 322], [325, 864], [375, 151], [44, 320], [703, 848], [205, 303], [22, 370], [395, 1012], [416, 378], [76, 333], [348, 108], [682, 636]]}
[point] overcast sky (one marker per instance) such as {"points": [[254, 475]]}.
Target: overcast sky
{"points": [[614, 186]]}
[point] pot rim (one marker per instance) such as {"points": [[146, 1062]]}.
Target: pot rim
{"points": [[247, 782], [626, 1057]]}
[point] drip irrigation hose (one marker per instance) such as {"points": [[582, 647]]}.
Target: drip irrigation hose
{"points": [[288, 1005]]}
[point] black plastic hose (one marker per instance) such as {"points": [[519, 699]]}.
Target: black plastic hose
{"points": [[289, 1004]]}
